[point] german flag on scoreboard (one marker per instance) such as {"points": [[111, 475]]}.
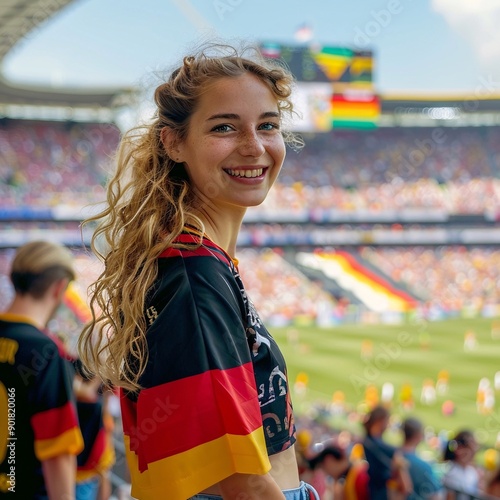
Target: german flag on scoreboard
{"points": [[349, 70], [355, 111]]}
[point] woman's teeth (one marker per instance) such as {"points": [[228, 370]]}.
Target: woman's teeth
{"points": [[245, 173]]}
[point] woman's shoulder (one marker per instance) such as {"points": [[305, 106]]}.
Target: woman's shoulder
{"points": [[193, 249], [200, 260], [187, 275]]}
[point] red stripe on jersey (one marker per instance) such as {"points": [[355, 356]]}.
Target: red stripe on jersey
{"points": [[98, 449], [128, 413], [52, 423], [207, 249], [199, 252], [180, 415]]}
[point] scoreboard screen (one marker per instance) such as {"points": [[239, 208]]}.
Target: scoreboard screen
{"points": [[324, 64], [341, 76]]}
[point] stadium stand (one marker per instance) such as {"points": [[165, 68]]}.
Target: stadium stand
{"points": [[390, 170], [328, 195], [331, 175], [454, 278], [49, 164]]}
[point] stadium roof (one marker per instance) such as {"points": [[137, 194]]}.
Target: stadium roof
{"points": [[393, 103], [17, 19], [40, 96]]}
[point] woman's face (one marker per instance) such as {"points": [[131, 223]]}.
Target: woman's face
{"points": [[234, 149], [466, 452]]}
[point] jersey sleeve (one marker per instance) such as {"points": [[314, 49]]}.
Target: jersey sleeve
{"points": [[197, 421], [98, 453], [54, 420]]}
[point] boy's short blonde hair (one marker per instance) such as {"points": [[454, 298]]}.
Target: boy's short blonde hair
{"points": [[37, 265]]}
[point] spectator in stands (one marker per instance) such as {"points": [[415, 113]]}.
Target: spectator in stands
{"points": [[425, 482], [37, 380], [350, 479], [493, 484], [97, 457], [387, 468], [181, 337], [462, 477]]}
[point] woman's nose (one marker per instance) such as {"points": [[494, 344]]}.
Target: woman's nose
{"points": [[251, 144]]}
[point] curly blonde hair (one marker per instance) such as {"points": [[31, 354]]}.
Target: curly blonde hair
{"points": [[149, 202]]}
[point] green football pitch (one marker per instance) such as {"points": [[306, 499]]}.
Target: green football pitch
{"points": [[330, 360]]}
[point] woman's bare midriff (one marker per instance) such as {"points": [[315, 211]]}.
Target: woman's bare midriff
{"points": [[283, 470]]}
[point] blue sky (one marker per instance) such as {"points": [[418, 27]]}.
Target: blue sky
{"points": [[421, 46]]}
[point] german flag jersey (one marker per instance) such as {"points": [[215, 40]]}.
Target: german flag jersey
{"points": [[98, 454], [214, 398], [38, 419]]}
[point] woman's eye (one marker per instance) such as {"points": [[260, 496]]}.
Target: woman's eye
{"points": [[222, 128], [270, 126]]}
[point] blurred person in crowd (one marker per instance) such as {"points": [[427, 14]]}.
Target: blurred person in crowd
{"points": [[425, 483], [205, 395], [303, 450], [38, 454], [316, 477], [350, 477], [493, 484], [105, 485], [388, 470], [462, 477], [97, 457]]}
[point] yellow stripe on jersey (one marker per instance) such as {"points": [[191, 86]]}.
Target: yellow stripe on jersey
{"points": [[183, 475], [69, 442]]}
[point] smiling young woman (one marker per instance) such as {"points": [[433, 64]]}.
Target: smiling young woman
{"points": [[205, 398], [234, 149]]}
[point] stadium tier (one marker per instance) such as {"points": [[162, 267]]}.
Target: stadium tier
{"points": [[328, 288], [52, 166], [52, 170], [365, 200]]}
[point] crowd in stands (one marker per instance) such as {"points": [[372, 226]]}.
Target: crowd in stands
{"points": [[454, 169], [448, 278], [474, 196], [387, 456], [43, 164], [348, 158], [279, 291]]}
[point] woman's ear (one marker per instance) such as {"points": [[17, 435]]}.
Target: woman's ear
{"points": [[170, 142]]}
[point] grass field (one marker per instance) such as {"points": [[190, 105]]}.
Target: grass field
{"points": [[331, 360]]}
